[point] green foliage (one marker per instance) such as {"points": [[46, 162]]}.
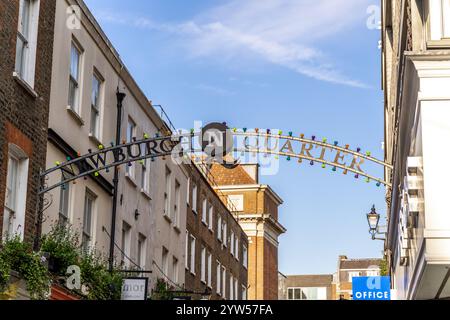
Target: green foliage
{"points": [[18, 256], [63, 246], [102, 284], [163, 291]]}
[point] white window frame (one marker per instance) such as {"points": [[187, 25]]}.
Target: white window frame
{"points": [[96, 105], [64, 203], [218, 277], [236, 247], [145, 175], [231, 292], [203, 265], [209, 263], [88, 220], [194, 197], [175, 272], [193, 243], [14, 213], [26, 41], [245, 256], [219, 228], [168, 192], [232, 243], [244, 293], [210, 217], [165, 261], [438, 23], [186, 253], [126, 244], [176, 206], [74, 103], [224, 281], [130, 134], [141, 251], [225, 234], [204, 211]]}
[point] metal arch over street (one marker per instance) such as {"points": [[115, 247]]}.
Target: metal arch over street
{"points": [[307, 145], [104, 159]]}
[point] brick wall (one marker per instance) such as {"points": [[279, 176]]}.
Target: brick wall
{"points": [[23, 117], [207, 238]]}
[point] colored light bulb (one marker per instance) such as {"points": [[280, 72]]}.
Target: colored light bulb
{"points": [[311, 163], [290, 133], [323, 166], [268, 131], [378, 184], [336, 143], [280, 132], [324, 140], [245, 130], [358, 149], [334, 169], [313, 138]]}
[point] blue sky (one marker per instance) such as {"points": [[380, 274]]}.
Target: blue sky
{"points": [[307, 66]]}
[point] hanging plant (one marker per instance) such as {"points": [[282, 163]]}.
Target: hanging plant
{"points": [[18, 256]]}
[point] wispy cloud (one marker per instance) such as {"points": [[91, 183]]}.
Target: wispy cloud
{"points": [[281, 32]]}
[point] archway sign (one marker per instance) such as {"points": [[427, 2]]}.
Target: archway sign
{"points": [[215, 143]]}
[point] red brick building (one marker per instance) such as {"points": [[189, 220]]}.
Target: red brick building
{"points": [[26, 48], [216, 258], [256, 207]]}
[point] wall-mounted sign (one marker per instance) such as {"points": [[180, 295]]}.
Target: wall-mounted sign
{"points": [[134, 288], [371, 288]]}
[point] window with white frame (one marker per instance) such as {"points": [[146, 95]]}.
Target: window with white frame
{"points": [[26, 42], [244, 292], [232, 243], [210, 217], [218, 277], [353, 274], [219, 228], [236, 296], [188, 191], [131, 134], [95, 105], [192, 268], [64, 198], [439, 19], [89, 202], [194, 197], [203, 265], [176, 206], [231, 288], [236, 247], [175, 269], [186, 252], [168, 192], [15, 193], [209, 278], [245, 256], [75, 77], [224, 236], [145, 174], [125, 244], [372, 273], [165, 261], [141, 251], [224, 281], [307, 293], [204, 210]]}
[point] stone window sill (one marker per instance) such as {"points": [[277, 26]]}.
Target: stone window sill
{"points": [[146, 194], [95, 140], [131, 180], [75, 116], [25, 85]]}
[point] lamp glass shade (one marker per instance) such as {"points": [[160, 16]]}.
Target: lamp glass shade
{"points": [[373, 219]]}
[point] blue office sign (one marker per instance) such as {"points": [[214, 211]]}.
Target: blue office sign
{"points": [[371, 288]]}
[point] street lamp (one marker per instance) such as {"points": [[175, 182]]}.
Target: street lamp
{"points": [[373, 218]]}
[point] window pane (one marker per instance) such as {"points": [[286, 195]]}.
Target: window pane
{"points": [[297, 293], [20, 56], [74, 62], [24, 25], [290, 294], [11, 189]]}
